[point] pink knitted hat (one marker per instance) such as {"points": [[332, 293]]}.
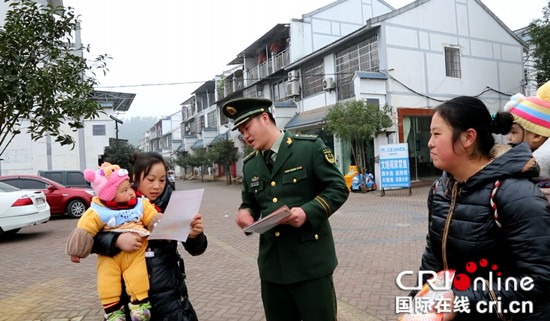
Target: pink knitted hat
{"points": [[532, 113], [106, 179]]}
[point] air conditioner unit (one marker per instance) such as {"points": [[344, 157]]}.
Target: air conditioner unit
{"points": [[292, 75], [292, 88], [328, 84]]}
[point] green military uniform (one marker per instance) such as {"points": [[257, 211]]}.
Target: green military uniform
{"points": [[303, 176], [295, 263]]}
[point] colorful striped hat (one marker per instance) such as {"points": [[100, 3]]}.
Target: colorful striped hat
{"points": [[533, 113]]}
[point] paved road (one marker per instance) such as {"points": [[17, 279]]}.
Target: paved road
{"points": [[376, 238]]}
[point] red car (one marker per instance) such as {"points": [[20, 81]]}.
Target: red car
{"points": [[72, 201]]}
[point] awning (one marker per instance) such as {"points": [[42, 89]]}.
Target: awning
{"points": [[197, 144], [371, 75], [181, 149], [218, 138], [284, 104], [308, 118]]}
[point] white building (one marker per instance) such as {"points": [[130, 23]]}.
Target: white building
{"points": [[260, 69], [164, 137], [25, 156], [413, 59]]}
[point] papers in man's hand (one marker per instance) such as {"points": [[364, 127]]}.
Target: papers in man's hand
{"points": [[176, 221], [268, 222]]}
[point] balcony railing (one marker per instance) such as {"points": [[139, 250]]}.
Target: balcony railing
{"points": [[230, 87], [273, 64]]}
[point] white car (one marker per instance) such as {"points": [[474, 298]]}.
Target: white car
{"points": [[21, 208]]}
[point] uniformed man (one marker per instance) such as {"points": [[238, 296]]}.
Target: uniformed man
{"points": [[297, 257]]}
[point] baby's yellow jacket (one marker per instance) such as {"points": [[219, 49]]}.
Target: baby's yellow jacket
{"points": [[99, 217]]}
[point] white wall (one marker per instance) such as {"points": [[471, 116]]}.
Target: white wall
{"points": [[330, 23], [414, 51]]}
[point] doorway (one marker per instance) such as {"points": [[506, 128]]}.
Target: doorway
{"points": [[415, 131]]}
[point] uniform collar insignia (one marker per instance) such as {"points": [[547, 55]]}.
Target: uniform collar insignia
{"points": [[288, 140]]}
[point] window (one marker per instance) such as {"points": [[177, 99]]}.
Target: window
{"points": [[250, 92], [33, 184], [203, 122], [98, 130], [212, 119], [13, 182], [313, 75], [279, 90], [362, 56], [452, 62], [75, 178], [55, 176], [223, 118]]}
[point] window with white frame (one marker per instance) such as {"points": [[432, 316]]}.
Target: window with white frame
{"points": [[250, 92], [98, 130], [223, 118], [279, 90], [452, 62], [312, 82], [212, 119], [361, 56]]}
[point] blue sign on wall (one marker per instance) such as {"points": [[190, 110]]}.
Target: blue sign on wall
{"points": [[394, 166]]}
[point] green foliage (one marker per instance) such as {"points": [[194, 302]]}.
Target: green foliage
{"points": [[199, 158], [120, 154], [357, 122], [539, 30], [183, 161], [225, 154], [41, 79]]}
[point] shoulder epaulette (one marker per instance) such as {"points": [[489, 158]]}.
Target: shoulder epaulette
{"points": [[249, 156], [306, 137]]}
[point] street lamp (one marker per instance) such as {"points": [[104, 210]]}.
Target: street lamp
{"points": [[117, 121]]}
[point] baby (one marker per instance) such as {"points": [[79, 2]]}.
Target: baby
{"points": [[532, 125], [116, 208]]}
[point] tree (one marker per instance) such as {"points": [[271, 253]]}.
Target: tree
{"points": [[224, 153], [183, 162], [120, 154], [200, 158], [539, 30], [357, 122], [41, 79]]}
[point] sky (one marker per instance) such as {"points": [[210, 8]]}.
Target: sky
{"points": [[165, 49]]}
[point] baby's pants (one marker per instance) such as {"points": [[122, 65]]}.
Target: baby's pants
{"points": [[132, 267]]}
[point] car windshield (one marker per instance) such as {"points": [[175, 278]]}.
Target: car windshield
{"points": [[8, 188]]}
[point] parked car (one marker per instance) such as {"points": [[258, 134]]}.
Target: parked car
{"points": [[21, 208], [68, 178], [70, 200], [171, 176]]}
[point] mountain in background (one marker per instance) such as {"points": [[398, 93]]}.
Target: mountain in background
{"points": [[134, 129]]}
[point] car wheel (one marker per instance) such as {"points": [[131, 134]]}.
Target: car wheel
{"points": [[9, 233], [76, 208]]}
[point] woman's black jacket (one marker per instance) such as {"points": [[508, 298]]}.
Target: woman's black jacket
{"points": [[463, 229]]}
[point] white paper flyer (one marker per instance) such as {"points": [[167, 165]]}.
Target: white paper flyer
{"points": [[176, 222]]}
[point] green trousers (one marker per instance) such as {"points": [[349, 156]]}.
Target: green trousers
{"points": [[313, 300]]}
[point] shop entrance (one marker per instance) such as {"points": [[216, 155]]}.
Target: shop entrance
{"points": [[415, 131]]}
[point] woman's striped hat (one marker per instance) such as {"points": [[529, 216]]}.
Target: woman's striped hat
{"points": [[532, 113]]}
